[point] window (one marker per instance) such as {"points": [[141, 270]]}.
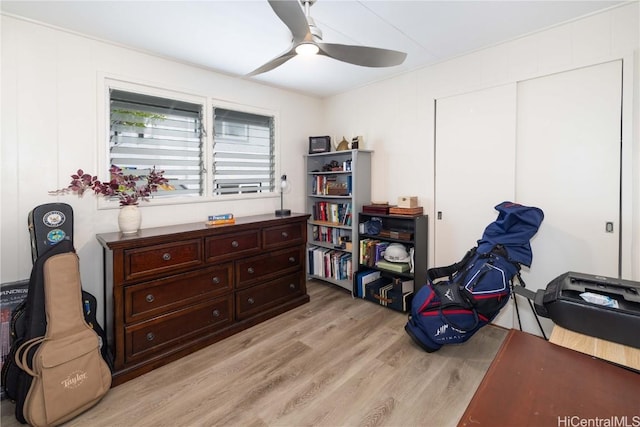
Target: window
{"points": [[243, 152], [147, 131], [174, 135]]}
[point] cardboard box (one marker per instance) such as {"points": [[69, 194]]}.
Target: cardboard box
{"points": [[11, 294], [407, 202]]}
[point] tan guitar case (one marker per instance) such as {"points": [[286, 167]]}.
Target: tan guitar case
{"points": [[69, 373]]}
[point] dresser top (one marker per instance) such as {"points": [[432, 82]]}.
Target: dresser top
{"points": [[198, 229]]}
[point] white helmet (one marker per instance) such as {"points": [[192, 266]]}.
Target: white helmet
{"points": [[396, 252]]}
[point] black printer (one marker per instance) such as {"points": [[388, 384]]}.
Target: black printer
{"points": [[618, 321]]}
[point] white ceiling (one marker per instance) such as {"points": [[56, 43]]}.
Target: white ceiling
{"points": [[236, 37]]}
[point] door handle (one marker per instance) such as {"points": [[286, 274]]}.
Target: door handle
{"points": [[439, 215]]}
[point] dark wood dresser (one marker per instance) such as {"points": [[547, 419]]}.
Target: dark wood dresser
{"points": [[170, 291]]}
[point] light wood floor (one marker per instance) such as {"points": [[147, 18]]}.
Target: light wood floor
{"points": [[336, 361]]}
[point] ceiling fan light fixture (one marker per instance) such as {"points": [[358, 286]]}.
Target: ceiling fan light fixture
{"points": [[307, 49]]}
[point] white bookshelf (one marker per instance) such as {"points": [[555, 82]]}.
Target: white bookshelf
{"points": [[327, 227]]}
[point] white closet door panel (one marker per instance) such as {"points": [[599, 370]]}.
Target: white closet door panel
{"points": [[568, 164], [474, 166]]}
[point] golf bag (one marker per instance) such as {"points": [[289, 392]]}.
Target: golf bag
{"points": [[461, 298]]}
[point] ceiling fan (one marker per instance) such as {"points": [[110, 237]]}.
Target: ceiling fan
{"points": [[307, 39]]}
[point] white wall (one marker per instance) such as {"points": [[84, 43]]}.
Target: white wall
{"points": [[51, 105], [396, 116], [51, 81]]}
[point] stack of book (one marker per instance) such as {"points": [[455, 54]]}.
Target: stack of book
{"points": [[372, 251], [398, 267], [333, 235], [331, 185], [221, 219], [334, 213], [330, 263], [363, 278]]}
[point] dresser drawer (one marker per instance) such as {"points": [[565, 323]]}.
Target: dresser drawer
{"points": [[150, 260], [228, 246], [177, 328], [146, 300], [256, 299], [266, 266], [284, 235]]}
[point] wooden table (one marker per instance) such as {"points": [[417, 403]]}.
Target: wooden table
{"points": [[617, 353], [532, 382]]}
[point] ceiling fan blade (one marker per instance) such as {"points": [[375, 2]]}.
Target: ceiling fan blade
{"points": [[362, 55], [293, 17], [275, 62]]}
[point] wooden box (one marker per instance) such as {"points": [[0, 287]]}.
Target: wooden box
{"points": [[376, 209], [396, 234], [407, 202], [406, 211]]}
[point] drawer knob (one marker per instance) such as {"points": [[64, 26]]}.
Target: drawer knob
{"points": [[150, 336], [216, 280], [292, 259], [166, 256], [235, 244], [250, 300], [285, 234], [150, 298], [216, 313], [250, 270], [292, 285]]}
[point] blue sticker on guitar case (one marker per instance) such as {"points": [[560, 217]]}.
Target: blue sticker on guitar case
{"points": [[55, 236]]}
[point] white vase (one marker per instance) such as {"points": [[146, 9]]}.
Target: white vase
{"points": [[129, 219]]}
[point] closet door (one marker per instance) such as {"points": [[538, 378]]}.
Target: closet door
{"points": [[568, 164], [474, 166], [562, 156]]}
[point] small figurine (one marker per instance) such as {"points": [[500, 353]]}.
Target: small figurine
{"points": [[344, 145]]}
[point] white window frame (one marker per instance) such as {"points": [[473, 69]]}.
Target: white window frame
{"points": [[102, 168], [227, 105]]}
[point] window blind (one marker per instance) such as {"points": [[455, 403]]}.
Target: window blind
{"points": [[149, 131], [243, 152]]}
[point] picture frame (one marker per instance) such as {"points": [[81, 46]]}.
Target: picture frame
{"points": [[319, 144]]}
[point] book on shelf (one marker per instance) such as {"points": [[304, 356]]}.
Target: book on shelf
{"points": [[398, 267], [221, 221], [402, 286], [331, 185], [330, 263], [220, 216], [372, 251], [373, 289], [346, 220], [363, 278], [328, 234], [399, 301], [335, 213]]}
